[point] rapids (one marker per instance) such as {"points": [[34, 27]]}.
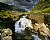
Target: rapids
{"points": [[21, 24]]}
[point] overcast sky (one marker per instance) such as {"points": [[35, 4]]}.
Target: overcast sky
{"points": [[21, 4]]}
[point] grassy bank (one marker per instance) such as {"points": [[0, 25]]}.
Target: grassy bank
{"points": [[41, 7]]}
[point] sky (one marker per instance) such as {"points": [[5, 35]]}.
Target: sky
{"points": [[21, 4]]}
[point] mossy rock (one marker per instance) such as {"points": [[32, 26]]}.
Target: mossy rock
{"points": [[47, 10]]}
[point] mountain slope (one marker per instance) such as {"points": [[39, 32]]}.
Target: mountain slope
{"points": [[5, 6], [41, 6]]}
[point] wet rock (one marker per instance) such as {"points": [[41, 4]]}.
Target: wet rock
{"points": [[36, 27], [27, 37], [7, 31], [28, 31], [7, 38], [6, 34], [42, 29]]}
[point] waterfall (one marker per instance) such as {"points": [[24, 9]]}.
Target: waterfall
{"points": [[35, 37], [21, 24], [24, 22]]}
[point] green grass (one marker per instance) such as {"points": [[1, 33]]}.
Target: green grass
{"points": [[8, 17], [47, 10], [42, 6]]}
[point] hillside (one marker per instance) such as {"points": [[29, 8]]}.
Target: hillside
{"points": [[5, 6], [12, 15], [42, 6]]}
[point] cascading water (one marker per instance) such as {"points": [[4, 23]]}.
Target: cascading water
{"points": [[36, 37], [21, 24]]}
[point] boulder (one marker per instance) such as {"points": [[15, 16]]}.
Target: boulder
{"points": [[6, 34], [7, 38], [42, 29], [36, 27]]}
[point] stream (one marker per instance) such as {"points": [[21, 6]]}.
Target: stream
{"points": [[22, 23]]}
